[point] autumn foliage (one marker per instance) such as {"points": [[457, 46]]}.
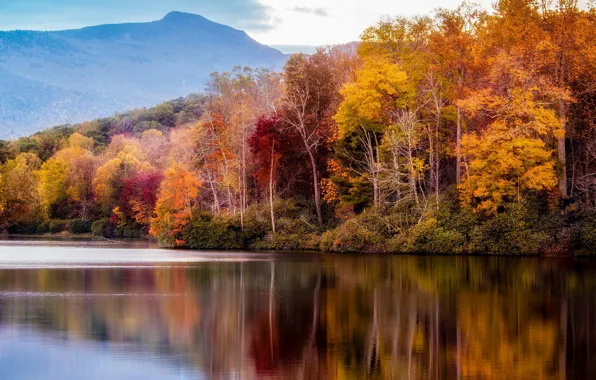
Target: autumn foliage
{"points": [[466, 112], [173, 208]]}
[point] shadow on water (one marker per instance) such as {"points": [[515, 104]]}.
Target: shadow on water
{"points": [[302, 317]]}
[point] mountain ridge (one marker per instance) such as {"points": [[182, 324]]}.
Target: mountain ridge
{"points": [[50, 78]]}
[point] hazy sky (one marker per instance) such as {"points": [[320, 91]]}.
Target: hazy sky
{"points": [[273, 22]]}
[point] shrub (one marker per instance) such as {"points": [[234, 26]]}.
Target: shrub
{"points": [[351, 237], [279, 241], [78, 226], [108, 229], [129, 231], [102, 227], [288, 242], [24, 228], [512, 232], [42, 227], [208, 232], [57, 225], [587, 236], [429, 237]]}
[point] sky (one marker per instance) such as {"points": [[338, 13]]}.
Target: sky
{"points": [[272, 22]]}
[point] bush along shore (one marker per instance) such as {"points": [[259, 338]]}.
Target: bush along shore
{"points": [[520, 229], [465, 132], [530, 228]]}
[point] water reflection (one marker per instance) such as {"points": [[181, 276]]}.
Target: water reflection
{"points": [[333, 317]]}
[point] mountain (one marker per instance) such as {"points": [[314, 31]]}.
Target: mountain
{"points": [[52, 78]]}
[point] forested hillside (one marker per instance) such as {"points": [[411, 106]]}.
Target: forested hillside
{"points": [[464, 132], [50, 78]]}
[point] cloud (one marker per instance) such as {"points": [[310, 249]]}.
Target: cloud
{"points": [[263, 19], [314, 11], [249, 15]]}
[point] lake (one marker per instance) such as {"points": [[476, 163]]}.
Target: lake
{"points": [[106, 310]]}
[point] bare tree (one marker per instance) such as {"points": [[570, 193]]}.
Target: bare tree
{"points": [[307, 106], [434, 91], [403, 141]]}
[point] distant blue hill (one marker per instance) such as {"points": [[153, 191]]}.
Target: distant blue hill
{"points": [[52, 78]]}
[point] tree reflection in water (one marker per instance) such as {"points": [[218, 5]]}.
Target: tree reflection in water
{"points": [[331, 318]]}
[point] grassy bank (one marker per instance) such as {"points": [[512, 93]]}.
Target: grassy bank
{"points": [[532, 227], [528, 228]]}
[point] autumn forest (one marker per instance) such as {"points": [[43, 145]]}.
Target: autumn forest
{"points": [[468, 131]]}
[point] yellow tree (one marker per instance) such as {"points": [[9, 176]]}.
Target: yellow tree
{"points": [[19, 200], [380, 88], [369, 106], [68, 176], [52, 184], [553, 41], [125, 159], [510, 158], [501, 169], [396, 91]]}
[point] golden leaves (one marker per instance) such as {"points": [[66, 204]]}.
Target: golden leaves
{"points": [[504, 169], [380, 87]]}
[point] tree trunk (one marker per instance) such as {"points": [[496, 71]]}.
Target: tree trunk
{"points": [[412, 180], [232, 204], [315, 178], [561, 153], [271, 186], [377, 175], [376, 191], [458, 148], [438, 156], [243, 183], [216, 208]]}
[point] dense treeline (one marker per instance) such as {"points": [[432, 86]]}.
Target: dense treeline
{"points": [[68, 177], [468, 131]]}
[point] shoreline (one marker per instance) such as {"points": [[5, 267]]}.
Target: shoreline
{"points": [[83, 238]]}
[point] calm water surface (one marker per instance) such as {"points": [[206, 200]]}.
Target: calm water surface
{"points": [[116, 311]]}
